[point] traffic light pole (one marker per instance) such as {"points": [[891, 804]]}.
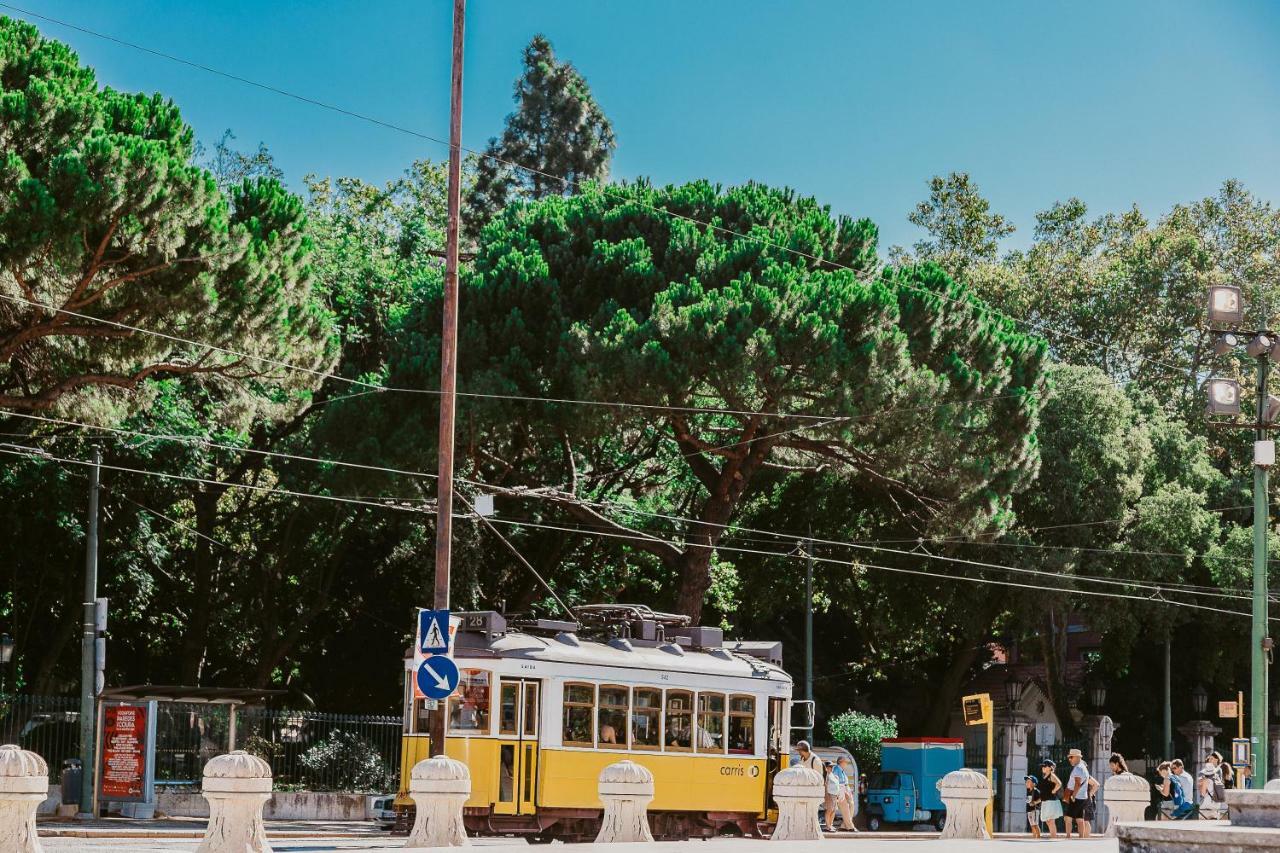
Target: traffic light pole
{"points": [[1263, 456]]}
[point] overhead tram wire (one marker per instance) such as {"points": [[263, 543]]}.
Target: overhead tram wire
{"points": [[733, 529], [243, 486], [824, 420], [894, 569], [634, 536], [566, 182]]}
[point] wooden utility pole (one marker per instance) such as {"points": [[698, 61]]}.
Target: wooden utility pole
{"points": [[449, 354]]}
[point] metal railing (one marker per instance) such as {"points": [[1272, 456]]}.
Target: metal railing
{"points": [[307, 750], [46, 725]]}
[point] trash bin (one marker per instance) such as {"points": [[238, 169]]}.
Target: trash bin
{"points": [[72, 779]]}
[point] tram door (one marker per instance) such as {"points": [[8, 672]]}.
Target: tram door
{"points": [[517, 748]]}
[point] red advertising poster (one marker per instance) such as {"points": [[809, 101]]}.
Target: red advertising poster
{"points": [[124, 752]]}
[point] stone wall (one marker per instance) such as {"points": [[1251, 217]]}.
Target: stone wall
{"points": [[283, 805]]}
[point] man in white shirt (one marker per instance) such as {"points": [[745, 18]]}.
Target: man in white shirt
{"points": [[1076, 798], [1184, 780]]}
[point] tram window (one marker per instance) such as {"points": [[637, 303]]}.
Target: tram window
{"points": [[469, 704], [507, 710], [710, 722], [614, 708], [742, 725], [646, 719], [579, 713], [531, 709], [679, 720]]}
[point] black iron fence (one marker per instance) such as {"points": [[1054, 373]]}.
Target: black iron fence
{"points": [[46, 725], [307, 750]]}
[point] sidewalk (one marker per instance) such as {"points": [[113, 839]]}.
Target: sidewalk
{"points": [[837, 844], [175, 828]]}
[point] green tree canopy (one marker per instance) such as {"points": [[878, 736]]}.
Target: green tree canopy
{"points": [[104, 216], [775, 319], [557, 137]]}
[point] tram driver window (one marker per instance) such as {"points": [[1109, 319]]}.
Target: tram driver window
{"points": [[679, 720], [742, 725], [615, 705], [579, 714], [469, 704], [646, 719]]}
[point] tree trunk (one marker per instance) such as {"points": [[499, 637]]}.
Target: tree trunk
{"points": [[47, 668], [938, 719], [195, 641]]}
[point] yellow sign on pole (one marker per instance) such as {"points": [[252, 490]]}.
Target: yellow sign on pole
{"points": [[977, 712]]}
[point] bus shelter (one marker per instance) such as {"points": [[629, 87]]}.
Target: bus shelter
{"points": [[125, 741]]}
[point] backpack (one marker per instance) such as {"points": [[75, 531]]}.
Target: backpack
{"points": [[1175, 788]]}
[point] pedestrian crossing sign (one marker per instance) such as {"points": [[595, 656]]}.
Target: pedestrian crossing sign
{"points": [[433, 632]]}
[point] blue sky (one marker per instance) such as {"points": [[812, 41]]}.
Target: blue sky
{"points": [[857, 103]]}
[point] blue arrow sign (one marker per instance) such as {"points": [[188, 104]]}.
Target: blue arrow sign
{"points": [[433, 632], [437, 677]]}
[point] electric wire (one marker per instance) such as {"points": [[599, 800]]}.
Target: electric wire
{"points": [[605, 505]]}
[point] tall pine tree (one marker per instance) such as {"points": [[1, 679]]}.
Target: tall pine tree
{"points": [[558, 136]]}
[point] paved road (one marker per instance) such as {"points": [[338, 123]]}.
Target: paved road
{"points": [[848, 844]]}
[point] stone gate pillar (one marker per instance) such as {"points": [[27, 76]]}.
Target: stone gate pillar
{"points": [[1011, 750], [1274, 753], [1098, 731], [1200, 734]]}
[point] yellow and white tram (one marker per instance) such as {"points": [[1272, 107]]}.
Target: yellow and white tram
{"points": [[544, 706]]}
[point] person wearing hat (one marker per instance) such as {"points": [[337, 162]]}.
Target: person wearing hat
{"points": [[1076, 801], [1049, 787], [806, 758], [1033, 804]]}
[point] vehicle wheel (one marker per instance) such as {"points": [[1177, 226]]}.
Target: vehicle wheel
{"points": [[874, 823], [538, 839], [940, 821]]}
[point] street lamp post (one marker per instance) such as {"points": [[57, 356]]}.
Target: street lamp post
{"points": [[1226, 309]]}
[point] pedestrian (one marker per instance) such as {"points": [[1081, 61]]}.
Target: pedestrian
{"points": [[1212, 794], [1033, 804], [806, 758], [1050, 787], [1165, 787], [1077, 801], [836, 797], [1183, 778], [1227, 771], [848, 803]]}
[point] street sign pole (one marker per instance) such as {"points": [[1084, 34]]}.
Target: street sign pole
{"points": [[1259, 640], [449, 353], [88, 642]]}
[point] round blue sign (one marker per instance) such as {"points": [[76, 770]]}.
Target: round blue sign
{"points": [[437, 677]]}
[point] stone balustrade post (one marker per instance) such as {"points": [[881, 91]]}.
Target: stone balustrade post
{"points": [[440, 788], [237, 786], [965, 793], [626, 789], [798, 792], [24, 783], [1127, 796]]}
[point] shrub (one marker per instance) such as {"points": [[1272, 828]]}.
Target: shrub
{"points": [[343, 762], [861, 734]]}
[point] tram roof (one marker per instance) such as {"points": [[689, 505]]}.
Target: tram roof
{"points": [[572, 649]]}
